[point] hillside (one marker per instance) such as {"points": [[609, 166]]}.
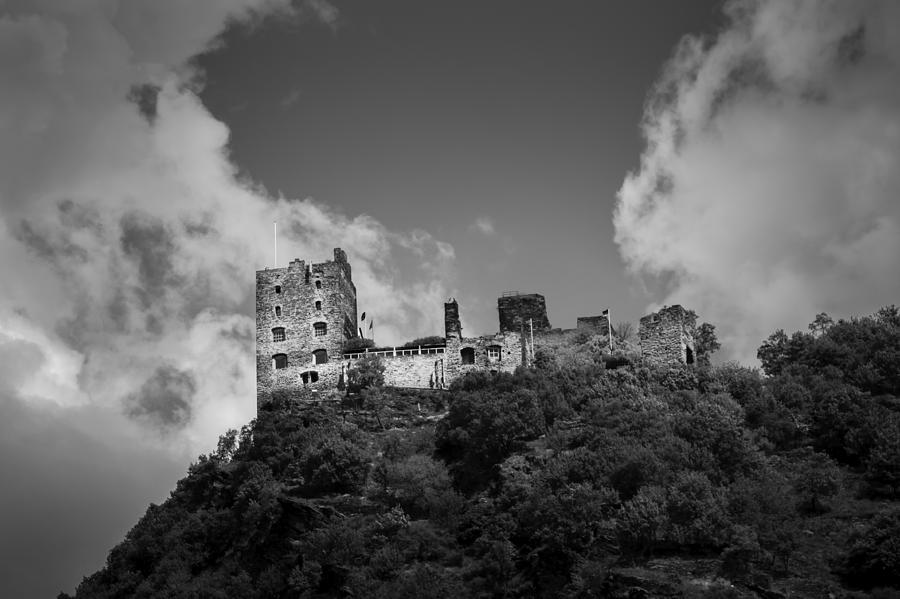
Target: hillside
{"points": [[571, 479]]}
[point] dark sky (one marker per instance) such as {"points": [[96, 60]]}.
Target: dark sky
{"points": [[430, 115]]}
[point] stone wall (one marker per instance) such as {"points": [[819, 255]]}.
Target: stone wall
{"points": [[595, 325], [517, 309], [293, 300], [509, 344], [667, 336]]}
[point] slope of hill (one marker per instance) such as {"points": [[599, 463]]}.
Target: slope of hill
{"points": [[571, 479]]}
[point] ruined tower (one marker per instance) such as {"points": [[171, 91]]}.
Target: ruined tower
{"points": [[304, 313], [516, 309], [667, 336], [452, 327]]}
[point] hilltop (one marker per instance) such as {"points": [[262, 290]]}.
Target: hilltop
{"points": [[582, 476]]}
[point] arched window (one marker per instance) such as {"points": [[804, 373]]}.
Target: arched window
{"points": [[277, 288], [321, 356], [278, 334], [318, 284], [321, 329], [494, 353], [318, 305], [280, 361], [468, 355], [278, 311]]}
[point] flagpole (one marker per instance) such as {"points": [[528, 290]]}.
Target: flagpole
{"points": [[609, 327], [275, 225], [531, 329]]}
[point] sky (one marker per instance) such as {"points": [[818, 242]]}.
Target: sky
{"points": [[740, 158]]}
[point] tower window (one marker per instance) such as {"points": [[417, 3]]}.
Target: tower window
{"points": [[278, 334], [318, 305], [277, 288], [278, 311], [468, 355], [321, 356], [689, 355], [494, 352], [318, 284], [310, 376], [280, 361], [321, 329]]}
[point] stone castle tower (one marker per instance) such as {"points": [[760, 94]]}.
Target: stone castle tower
{"points": [[667, 336], [304, 313]]}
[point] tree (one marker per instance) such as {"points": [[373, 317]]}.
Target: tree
{"points": [[705, 342], [821, 324], [368, 371]]}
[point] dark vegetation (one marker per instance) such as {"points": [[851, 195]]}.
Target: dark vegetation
{"points": [[570, 479]]}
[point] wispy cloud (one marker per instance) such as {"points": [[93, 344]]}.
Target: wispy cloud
{"points": [[291, 98], [768, 188], [483, 225], [133, 245]]}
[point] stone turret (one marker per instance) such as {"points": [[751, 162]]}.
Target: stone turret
{"points": [[667, 336]]}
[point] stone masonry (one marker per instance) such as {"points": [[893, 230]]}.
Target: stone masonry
{"points": [[516, 309], [667, 336], [306, 312]]}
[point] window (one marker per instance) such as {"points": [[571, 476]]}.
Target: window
{"points": [[321, 356], [280, 361], [278, 334], [318, 305], [277, 288], [318, 284], [321, 329], [310, 376], [689, 356], [468, 355], [278, 311], [493, 352]]}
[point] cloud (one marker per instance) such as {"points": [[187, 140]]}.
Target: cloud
{"points": [[129, 244], [483, 225], [768, 188], [291, 98]]}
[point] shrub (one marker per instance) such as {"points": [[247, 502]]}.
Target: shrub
{"points": [[357, 344], [873, 559]]}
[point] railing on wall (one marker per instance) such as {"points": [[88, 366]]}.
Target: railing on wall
{"points": [[393, 352]]}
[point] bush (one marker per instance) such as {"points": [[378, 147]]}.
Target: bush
{"points": [[873, 559], [429, 340], [357, 344]]}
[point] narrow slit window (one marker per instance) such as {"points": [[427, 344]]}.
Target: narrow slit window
{"points": [[277, 288], [321, 329], [280, 361], [318, 284], [278, 334], [278, 311], [318, 305]]}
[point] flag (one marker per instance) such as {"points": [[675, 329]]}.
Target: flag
{"points": [[605, 312], [363, 316], [371, 323]]}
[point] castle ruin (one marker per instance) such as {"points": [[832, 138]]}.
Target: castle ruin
{"points": [[305, 313]]}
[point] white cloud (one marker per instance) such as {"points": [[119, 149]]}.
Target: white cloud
{"points": [[483, 225], [768, 188], [129, 245]]}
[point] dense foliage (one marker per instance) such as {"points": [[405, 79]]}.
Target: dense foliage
{"points": [[581, 477]]}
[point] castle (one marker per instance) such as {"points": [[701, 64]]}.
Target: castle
{"points": [[305, 313]]}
